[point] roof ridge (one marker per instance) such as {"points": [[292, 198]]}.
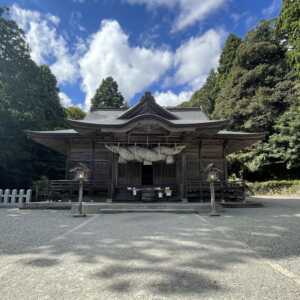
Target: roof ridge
{"points": [[183, 108], [109, 108]]}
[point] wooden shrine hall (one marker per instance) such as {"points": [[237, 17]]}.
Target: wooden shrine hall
{"points": [[148, 153]]}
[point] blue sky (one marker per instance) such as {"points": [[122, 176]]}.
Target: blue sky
{"points": [[165, 46]]}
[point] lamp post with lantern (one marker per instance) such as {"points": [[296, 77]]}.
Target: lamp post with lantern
{"points": [[81, 174], [212, 177]]}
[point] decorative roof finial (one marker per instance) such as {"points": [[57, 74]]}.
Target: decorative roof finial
{"points": [[148, 97]]}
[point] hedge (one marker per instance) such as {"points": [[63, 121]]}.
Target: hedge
{"points": [[275, 187]]}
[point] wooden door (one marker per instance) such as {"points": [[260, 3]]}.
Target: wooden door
{"points": [[129, 174]]}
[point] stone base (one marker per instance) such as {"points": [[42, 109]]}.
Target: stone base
{"points": [[214, 214], [79, 215]]}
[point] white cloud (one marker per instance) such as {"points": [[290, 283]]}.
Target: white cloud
{"points": [[65, 100], [171, 99], [195, 58], [273, 9], [45, 42], [193, 61], [190, 11], [109, 54]]}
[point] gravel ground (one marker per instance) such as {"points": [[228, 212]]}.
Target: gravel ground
{"points": [[249, 253]]}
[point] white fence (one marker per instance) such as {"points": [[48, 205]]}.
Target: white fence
{"points": [[14, 197]]}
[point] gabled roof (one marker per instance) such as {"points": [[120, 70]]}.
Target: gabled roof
{"points": [[144, 111], [147, 105], [147, 111]]}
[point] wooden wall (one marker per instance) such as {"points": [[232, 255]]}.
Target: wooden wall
{"points": [[189, 166], [94, 155], [200, 155]]}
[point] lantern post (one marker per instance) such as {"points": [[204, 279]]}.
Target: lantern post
{"points": [[81, 174], [212, 177]]}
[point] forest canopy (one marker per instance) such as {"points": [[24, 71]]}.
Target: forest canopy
{"points": [[256, 86]]}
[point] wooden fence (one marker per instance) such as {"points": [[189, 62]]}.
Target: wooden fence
{"points": [[14, 197]]}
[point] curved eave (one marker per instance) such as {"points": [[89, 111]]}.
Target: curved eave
{"points": [[130, 124], [54, 133], [236, 141], [55, 140]]}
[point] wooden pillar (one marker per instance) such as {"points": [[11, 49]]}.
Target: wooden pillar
{"points": [[225, 161], [112, 182], [68, 154], [116, 166], [183, 178], [225, 170], [200, 173], [93, 166]]}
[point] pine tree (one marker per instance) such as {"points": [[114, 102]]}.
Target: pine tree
{"points": [[107, 95]]}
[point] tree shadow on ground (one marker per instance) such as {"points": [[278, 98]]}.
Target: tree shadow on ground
{"points": [[163, 254]]}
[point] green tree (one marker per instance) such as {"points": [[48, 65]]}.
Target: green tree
{"points": [[258, 93], [228, 56], [107, 95], [28, 100], [288, 29], [285, 141], [75, 113], [206, 96], [254, 93]]}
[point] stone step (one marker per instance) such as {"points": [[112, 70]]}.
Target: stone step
{"points": [[94, 208], [142, 210]]}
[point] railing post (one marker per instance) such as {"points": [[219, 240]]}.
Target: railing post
{"points": [[28, 196], [13, 196], [6, 196], [222, 192], [244, 191], [21, 196]]}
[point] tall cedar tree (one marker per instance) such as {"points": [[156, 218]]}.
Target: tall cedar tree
{"points": [[28, 100], [206, 96], [288, 29], [107, 95], [259, 89], [258, 92]]}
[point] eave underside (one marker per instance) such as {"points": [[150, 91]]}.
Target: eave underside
{"points": [[233, 142]]}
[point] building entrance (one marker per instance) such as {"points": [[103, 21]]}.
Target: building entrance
{"points": [[147, 174]]}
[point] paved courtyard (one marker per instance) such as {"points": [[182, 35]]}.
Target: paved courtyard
{"points": [[245, 254]]}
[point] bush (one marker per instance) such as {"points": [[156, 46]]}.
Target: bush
{"points": [[275, 187]]}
